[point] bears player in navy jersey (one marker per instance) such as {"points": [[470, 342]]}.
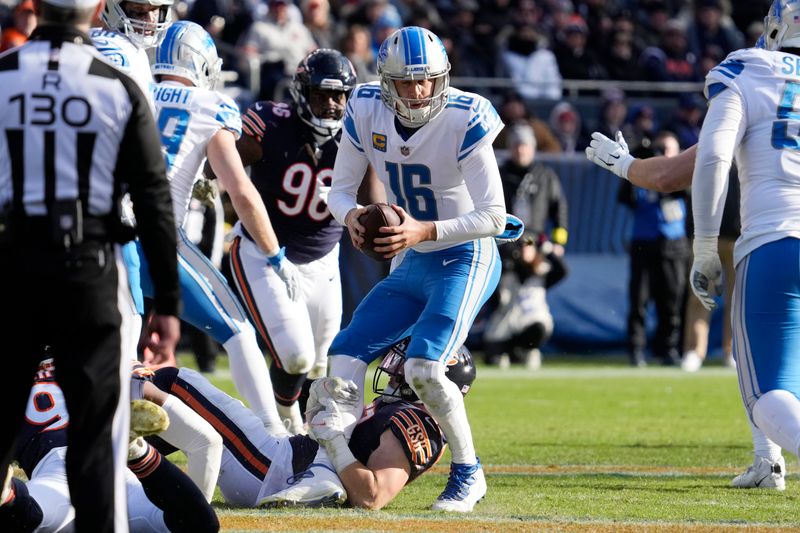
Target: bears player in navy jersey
{"points": [[292, 148], [161, 498], [431, 146], [394, 442]]}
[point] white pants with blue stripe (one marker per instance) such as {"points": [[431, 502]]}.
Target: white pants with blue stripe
{"points": [[766, 321], [209, 304], [434, 297]]}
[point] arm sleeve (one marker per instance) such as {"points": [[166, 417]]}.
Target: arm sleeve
{"points": [[348, 171], [722, 131], [141, 165], [486, 189]]}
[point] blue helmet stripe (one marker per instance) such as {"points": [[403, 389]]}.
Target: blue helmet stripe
{"points": [[415, 51]]}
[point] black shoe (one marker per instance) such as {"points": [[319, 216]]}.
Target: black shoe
{"points": [[670, 359]]}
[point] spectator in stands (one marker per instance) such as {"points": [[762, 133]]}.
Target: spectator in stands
{"points": [[226, 21], [576, 61], [613, 112], [708, 29], [356, 46], [622, 51], [654, 22], [531, 65], [532, 190], [688, 119], [278, 43], [710, 58], [697, 317], [672, 60], [24, 20], [642, 125], [514, 110], [474, 43], [658, 253], [317, 18], [565, 121], [522, 322], [754, 30], [386, 23]]}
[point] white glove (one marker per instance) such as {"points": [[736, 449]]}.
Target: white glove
{"points": [[611, 155], [327, 424], [287, 272], [327, 389], [706, 276]]}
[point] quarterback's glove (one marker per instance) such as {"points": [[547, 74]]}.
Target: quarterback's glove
{"points": [[287, 272], [611, 155], [513, 230], [330, 389], [706, 273]]}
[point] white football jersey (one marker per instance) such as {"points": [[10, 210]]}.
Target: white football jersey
{"points": [[422, 174], [188, 117], [768, 157], [122, 53]]}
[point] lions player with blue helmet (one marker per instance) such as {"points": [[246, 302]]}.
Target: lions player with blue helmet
{"points": [[196, 123], [431, 146]]}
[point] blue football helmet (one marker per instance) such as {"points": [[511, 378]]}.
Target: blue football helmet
{"points": [[188, 51], [142, 34], [782, 25], [414, 53]]}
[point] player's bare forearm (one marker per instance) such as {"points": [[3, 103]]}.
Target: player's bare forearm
{"points": [[246, 201], [362, 487], [664, 174]]}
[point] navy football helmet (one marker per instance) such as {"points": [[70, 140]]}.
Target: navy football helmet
{"points": [[320, 73], [459, 368]]}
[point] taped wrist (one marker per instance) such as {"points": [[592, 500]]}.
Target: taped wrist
{"points": [[339, 453]]}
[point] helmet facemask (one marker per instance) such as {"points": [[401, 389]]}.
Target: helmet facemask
{"points": [[321, 85], [416, 112], [144, 30]]}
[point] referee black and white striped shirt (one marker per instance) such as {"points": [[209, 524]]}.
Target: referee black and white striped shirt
{"points": [[74, 127]]}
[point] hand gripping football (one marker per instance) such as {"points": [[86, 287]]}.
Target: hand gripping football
{"points": [[377, 216]]}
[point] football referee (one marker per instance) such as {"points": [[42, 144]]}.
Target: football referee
{"points": [[76, 134]]}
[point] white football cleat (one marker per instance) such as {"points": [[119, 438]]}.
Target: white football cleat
{"points": [[762, 474], [533, 359], [691, 362], [466, 486], [318, 486], [147, 418]]}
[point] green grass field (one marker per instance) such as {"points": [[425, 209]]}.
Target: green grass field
{"points": [[588, 445]]}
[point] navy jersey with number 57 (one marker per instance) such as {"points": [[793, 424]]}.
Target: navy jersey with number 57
{"points": [[288, 176]]}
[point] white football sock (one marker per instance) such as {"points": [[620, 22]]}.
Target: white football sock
{"points": [[251, 377], [201, 443], [445, 402], [346, 367], [777, 414], [293, 415], [762, 446]]}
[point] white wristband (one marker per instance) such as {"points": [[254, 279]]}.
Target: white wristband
{"points": [[624, 165], [339, 453]]}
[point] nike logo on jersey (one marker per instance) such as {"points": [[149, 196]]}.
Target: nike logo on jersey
{"points": [[448, 261], [258, 106]]}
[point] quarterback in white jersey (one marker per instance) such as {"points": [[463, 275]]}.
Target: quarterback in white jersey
{"points": [[754, 116], [431, 147], [196, 122]]}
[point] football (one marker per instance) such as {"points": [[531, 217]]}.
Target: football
{"points": [[377, 216]]}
